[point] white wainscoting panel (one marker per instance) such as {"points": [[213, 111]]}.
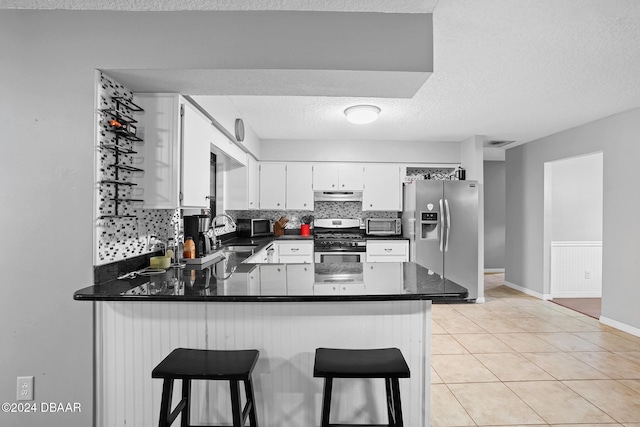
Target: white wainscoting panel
{"points": [[133, 337], [576, 269]]}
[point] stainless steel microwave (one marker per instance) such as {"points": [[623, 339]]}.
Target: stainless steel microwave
{"points": [[254, 227], [383, 226]]}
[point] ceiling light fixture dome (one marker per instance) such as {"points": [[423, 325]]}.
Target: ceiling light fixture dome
{"points": [[362, 114]]}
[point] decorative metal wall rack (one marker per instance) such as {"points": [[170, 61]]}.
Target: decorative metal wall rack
{"points": [[122, 125]]}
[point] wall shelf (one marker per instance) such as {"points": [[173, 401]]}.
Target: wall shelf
{"points": [[108, 181], [127, 103], [126, 167], [119, 148], [120, 122]]}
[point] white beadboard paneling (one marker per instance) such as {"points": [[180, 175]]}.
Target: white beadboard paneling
{"points": [[136, 336], [570, 264]]}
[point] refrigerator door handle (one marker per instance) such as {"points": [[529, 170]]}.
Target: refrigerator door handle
{"points": [[441, 226], [446, 205]]}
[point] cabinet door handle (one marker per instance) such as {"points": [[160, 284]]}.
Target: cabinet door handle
{"points": [[387, 249], [295, 249]]}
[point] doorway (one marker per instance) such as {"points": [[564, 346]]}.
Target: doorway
{"points": [[573, 206]]}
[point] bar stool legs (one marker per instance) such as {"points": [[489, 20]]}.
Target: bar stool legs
{"points": [[213, 365], [388, 364], [326, 402]]}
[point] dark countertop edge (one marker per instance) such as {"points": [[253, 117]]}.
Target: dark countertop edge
{"points": [[444, 298], [394, 237]]}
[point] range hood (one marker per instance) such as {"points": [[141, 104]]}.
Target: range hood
{"points": [[338, 196]]}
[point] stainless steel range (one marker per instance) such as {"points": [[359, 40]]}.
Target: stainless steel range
{"points": [[338, 240]]}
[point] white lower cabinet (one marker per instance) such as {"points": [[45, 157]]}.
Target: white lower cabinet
{"points": [[338, 288], [273, 279], [300, 279], [295, 252], [381, 278], [242, 284], [387, 251]]}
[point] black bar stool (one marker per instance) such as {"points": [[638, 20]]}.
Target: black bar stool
{"points": [[387, 363], [215, 365]]}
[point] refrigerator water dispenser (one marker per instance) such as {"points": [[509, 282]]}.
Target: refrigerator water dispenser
{"points": [[429, 225]]}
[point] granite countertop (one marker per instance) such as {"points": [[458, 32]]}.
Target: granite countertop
{"points": [[228, 279]]}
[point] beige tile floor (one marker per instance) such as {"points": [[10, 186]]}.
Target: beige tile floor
{"points": [[517, 360]]}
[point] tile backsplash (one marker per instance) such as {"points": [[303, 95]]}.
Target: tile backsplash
{"points": [[322, 210]]}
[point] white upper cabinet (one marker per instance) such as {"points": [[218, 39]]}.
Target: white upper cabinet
{"points": [[253, 168], [299, 186], [196, 148], [337, 177], [382, 188], [273, 186], [242, 186], [175, 154]]}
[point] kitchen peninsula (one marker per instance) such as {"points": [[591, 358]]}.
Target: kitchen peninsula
{"points": [[284, 310]]}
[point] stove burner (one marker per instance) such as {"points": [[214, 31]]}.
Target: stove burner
{"points": [[339, 236]]}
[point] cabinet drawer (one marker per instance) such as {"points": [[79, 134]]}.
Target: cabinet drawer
{"points": [[387, 247], [295, 259], [295, 248]]}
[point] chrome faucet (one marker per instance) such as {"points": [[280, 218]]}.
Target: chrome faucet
{"points": [[213, 227]]}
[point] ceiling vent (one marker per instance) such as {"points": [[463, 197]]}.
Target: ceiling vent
{"points": [[497, 143]]}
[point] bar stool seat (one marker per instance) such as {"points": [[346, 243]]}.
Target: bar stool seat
{"points": [[214, 365], [387, 363]]}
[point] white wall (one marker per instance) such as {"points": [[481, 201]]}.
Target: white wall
{"points": [[494, 214], [617, 138], [576, 199], [361, 151]]}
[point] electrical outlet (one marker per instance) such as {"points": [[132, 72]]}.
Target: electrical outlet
{"points": [[25, 388], [587, 275]]}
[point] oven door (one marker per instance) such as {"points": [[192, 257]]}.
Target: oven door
{"points": [[338, 257]]}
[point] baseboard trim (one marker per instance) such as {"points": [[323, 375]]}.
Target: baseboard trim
{"points": [[578, 295], [493, 270], [619, 325], [527, 291]]}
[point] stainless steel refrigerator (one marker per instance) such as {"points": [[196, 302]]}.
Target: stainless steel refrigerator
{"points": [[440, 219]]}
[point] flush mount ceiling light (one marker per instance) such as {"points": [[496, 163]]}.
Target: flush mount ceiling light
{"points": [[362, 114]]}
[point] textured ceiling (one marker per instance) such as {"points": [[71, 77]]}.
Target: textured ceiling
{"points": [[393, 6], [508, 70], [505, 69]]}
